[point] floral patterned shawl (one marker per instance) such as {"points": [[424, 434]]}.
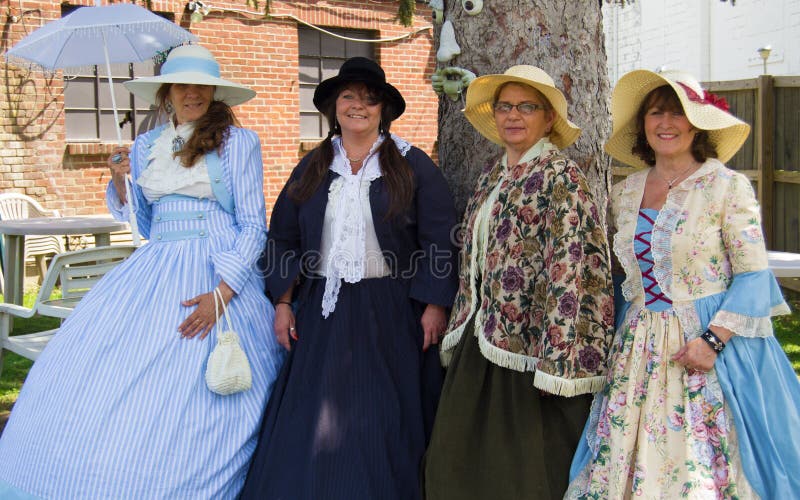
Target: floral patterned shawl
{"points": [[543, 299]]}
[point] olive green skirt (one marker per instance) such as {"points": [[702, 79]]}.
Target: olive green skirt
{"points": [[498, 437]]}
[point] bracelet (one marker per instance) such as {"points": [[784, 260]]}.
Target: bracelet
{"points": [[713, 341], [283, 302]]}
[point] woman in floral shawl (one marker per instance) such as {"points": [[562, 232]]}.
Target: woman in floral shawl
{"points": [[532, 319], [700, 400]]}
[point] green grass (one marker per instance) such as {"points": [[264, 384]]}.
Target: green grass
{"points": [[787, 330], [15, 367]]}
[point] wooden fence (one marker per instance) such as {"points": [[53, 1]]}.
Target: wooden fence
{"points": [[771, 155]]}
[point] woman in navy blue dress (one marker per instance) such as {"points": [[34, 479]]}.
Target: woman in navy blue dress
{"points": [[360, 242]]}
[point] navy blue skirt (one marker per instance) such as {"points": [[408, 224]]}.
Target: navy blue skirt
{"points": [[351, 412]]}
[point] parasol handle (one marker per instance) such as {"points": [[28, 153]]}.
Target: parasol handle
{"points": [[137, 239]]}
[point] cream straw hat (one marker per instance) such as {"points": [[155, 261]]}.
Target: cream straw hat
{"points": [[704, 110], [190, 64], [480, 99]]}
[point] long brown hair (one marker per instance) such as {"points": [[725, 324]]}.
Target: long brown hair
{"points": [[210, 130], [665, 99], [396, 171]]}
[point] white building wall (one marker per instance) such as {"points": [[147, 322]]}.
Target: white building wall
{"points": [[711, 39]]}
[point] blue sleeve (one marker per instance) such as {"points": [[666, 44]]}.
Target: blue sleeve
{"points": [[241, 159], [139, 162], [435, 278], [284, 246]]}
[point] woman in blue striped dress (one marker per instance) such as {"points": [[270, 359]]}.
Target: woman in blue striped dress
{"points": [[117, 404]]}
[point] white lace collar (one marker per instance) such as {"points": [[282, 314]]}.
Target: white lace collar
{"points": [[347, 258], [165, 173]]}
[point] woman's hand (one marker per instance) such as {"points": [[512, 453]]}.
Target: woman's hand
{"points": [[434, 322], [284, 324], [202, 320], [696, 355], [120, 166]]}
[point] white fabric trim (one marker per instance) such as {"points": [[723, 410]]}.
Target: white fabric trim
{"points": [[166, 175], [749, 326], [348, 200]]}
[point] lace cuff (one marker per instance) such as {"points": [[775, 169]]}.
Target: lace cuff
{"points": [[748, 326]]}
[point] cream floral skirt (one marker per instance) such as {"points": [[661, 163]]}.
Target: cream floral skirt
{"points": [[658, 430]]}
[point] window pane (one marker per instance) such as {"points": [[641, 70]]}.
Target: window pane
{"points": [[120, 92], [80, 125], [107, 126], [309, 70], [79, 93], [332, 46], [309, 125], [330, 67], [308, 42], [307, 98]]}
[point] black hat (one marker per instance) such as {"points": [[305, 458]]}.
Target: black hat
{"points": [[360, 69]]}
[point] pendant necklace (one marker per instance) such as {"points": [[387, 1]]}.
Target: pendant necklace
{"points": [[178, 143], [671, 182]]}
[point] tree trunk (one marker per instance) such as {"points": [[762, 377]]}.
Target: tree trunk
{"points": [[563, 38]]}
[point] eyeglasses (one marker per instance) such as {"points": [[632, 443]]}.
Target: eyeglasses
{"points": [[524, 108]]}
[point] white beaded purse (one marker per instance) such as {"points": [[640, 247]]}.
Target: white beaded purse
{"points": [[228, 370]]}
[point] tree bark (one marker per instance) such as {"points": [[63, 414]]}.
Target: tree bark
{"points": [[563, 38]]}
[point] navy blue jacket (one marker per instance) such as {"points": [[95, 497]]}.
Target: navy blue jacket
{"points": [[417, 244]]}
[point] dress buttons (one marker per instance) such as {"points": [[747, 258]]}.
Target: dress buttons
{"points": [[202, 233], [158, 237]]}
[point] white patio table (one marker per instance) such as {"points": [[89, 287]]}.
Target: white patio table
{"points": [[15, 231], [784, 264]]}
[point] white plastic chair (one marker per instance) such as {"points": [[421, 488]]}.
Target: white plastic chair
{"points": [[14, 206], [78, 272]]}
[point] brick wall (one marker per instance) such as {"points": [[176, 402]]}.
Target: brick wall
{"points": [[261, 53]]}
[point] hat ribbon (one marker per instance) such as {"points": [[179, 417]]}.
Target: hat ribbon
{"points": [[194, 64], [709, 98]]}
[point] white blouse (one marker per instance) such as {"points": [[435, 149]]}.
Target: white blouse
{"points": [[166, 175], [349, 248]]}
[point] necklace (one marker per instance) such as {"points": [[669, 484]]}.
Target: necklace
{"points": [[178, 143], [671, 182], [354, 160]]}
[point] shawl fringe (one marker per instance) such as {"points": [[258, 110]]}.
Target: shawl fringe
{"points": [[506, 359], [567, 387]]}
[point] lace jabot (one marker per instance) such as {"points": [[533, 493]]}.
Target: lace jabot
{"points": [[166, 175], [347, 258]]}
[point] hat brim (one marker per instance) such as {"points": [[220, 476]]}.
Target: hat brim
{"points": [[726, 132], [479, 111], [326, 88], [226, 91]]}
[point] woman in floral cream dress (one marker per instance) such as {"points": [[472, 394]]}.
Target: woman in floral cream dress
{"points": [[533, 317], [700, 401]]}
